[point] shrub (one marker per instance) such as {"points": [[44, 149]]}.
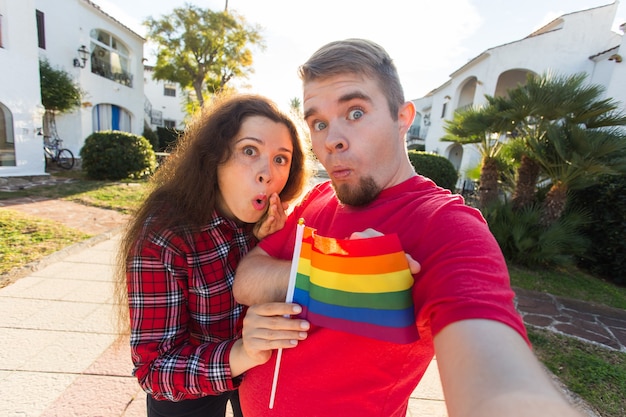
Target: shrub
{"points": [[115, 155], [152, 137], [435, 167], [167, 138], [524, 241], [606, 203]]}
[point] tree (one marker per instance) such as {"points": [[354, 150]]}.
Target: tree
{"points": [[574, 158], [476, 125], [530, 111], [202, 50], [567, 132], [59, 94]]}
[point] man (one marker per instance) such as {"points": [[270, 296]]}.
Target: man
{"points": [[355, 110]]}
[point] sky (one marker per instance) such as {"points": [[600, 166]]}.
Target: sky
{"points": [[427, 39]]}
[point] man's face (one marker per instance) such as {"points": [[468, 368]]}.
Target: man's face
{"points": [[354, 136]]}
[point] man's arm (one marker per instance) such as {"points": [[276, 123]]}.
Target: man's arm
{"points": [[487, 369], [261, 278]]}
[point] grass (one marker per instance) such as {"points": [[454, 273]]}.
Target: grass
{"points": [[123, 196], [570, 283], [24, 239], [596, 374]]}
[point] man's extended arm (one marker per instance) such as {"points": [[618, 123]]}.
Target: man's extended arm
{"points": [[261, 278], [487, 369]]}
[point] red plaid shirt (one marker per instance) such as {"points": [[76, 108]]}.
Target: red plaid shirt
{"points": [[183, 314]]}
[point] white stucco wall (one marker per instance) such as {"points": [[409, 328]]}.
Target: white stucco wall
{"points": [[19, 85], [68, 26], [172, 108], [565, 47]]}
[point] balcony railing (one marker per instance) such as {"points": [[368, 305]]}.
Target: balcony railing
{"points": [[104, 69]]}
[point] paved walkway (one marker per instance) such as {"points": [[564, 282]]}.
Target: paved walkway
{"points": [[61, 356]]}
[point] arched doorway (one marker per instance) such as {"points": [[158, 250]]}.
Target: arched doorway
{"points": [[111, 117]]}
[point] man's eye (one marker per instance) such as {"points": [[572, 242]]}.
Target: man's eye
{"points": [[317, 126], [355, 114]]}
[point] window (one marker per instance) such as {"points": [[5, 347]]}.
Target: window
{"points": [[7, 142], [41, 29], [110, 58], [169, 90], [1, 44], [443, 110], [169, 124]]}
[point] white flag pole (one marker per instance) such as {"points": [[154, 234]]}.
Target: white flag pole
{"points": [[289, 298]]}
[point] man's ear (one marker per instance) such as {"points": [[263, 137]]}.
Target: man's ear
{"points": [[406, 114]]}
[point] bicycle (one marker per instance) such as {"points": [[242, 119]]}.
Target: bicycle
{"points": [[53, 150]]}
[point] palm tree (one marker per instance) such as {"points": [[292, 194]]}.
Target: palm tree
{"points": [[574, 158], [546, 104], [476, 126]]}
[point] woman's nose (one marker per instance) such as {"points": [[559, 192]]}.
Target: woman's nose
{"points": [[264, 175]]}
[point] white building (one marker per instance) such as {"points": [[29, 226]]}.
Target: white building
{"points": [[573, 43], [20, 100], [164, 102], [100, 53]]}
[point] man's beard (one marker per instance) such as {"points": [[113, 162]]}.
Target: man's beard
{"points": [[364, 193]]}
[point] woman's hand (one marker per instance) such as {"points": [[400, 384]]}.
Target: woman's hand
{"points": [[273, 220], [266, 327]]}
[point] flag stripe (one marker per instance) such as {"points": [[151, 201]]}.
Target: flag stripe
{"points": [[374, 264], [386, 318], [392, 282], [373, 246], [408, 334], [396, 300]]}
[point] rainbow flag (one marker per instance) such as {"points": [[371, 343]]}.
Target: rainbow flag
{"points": [[358, 286]]}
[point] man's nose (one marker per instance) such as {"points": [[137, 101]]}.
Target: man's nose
{"points": [[336, 140]]}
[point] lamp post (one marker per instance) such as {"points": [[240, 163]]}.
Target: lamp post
{"points": [[83, 54]]}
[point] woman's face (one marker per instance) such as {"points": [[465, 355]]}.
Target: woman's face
{"points": [[258, 167]]}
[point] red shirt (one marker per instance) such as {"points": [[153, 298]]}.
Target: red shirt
{"points": [[463, 276], [183, 314]]}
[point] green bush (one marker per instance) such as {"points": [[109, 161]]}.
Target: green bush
{"points": [[606, 203], [525, 242], [115, 155], [435, 167], [152, 137], [167, 138]]}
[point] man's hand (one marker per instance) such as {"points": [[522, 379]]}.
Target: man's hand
{"points": [[273, 220], [414, 266]]}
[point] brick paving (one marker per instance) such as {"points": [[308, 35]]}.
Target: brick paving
{"points": [[601, 325]]}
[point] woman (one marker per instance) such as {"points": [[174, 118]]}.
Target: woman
{"points": [[221, 189]]}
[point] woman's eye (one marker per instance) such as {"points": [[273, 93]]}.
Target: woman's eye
{"points": [[281, 160], [249, 150], [355, 114], [317, 126]]}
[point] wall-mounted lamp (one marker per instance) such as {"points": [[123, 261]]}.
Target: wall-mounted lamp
{"points": [[83, 54]]}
